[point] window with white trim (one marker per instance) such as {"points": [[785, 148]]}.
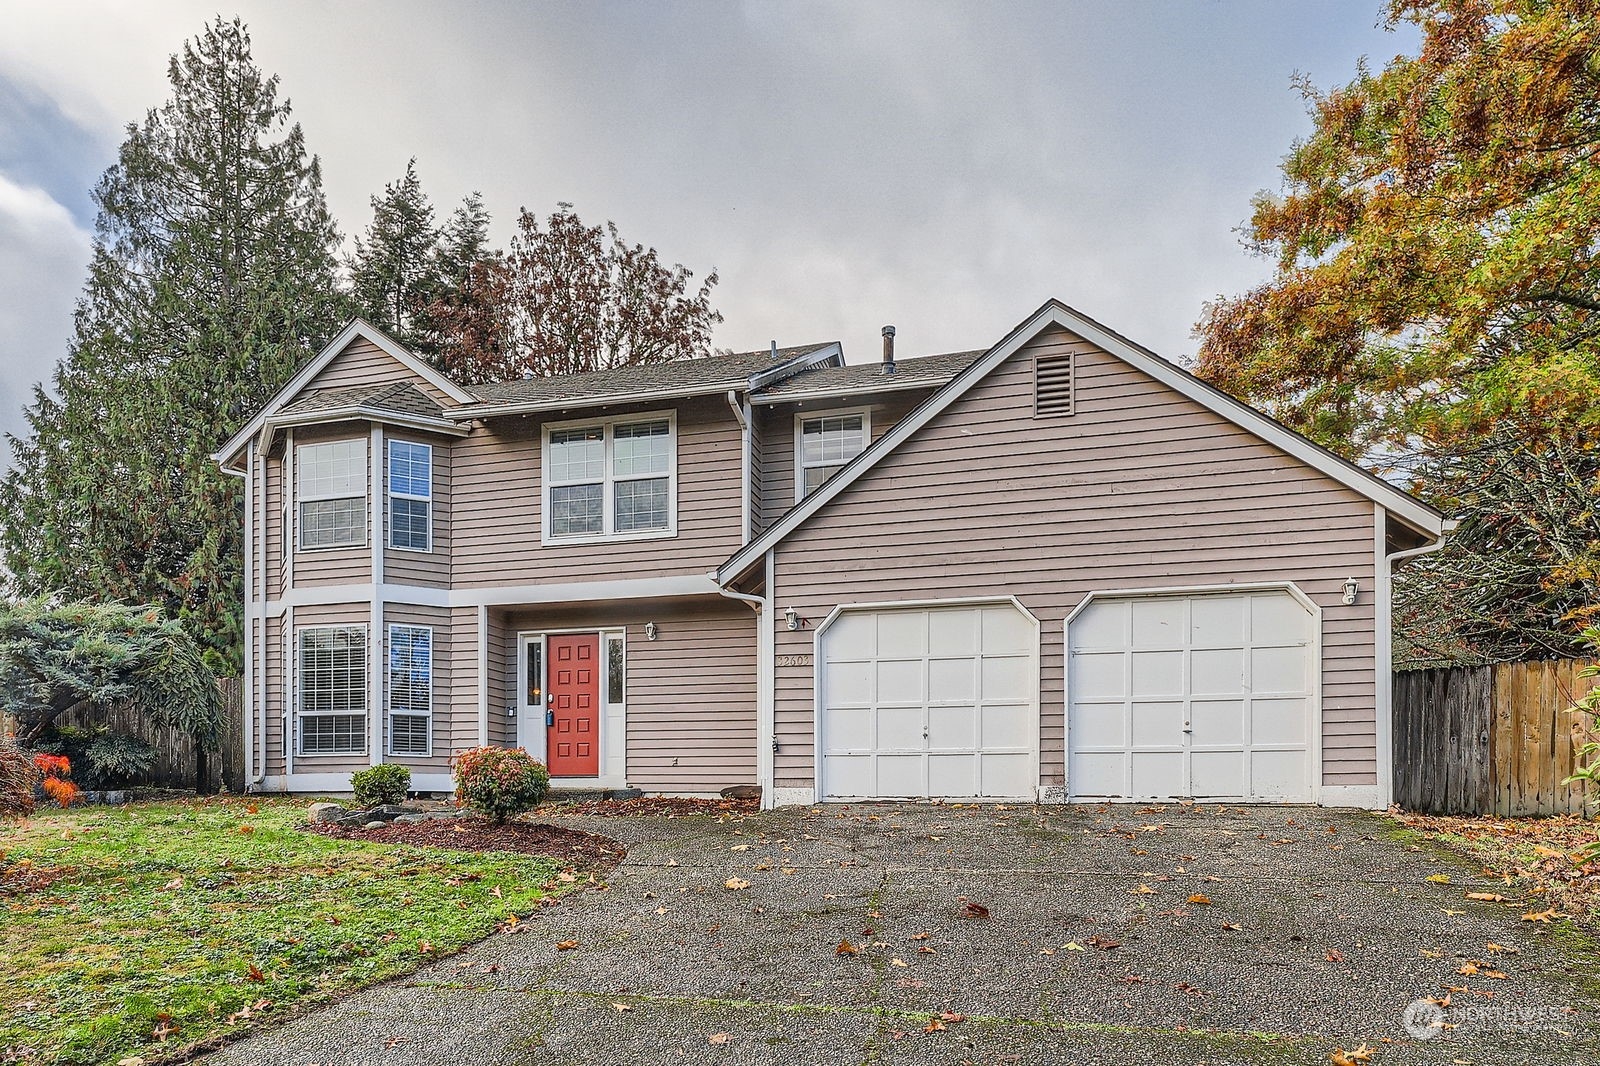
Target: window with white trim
{"points": [[331, 490], [410, 690], [410, 496], [824, 444], [331, 690], [610, 479]]}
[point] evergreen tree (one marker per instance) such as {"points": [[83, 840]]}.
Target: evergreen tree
{"points": [[213, 278], [395, 271], [466, 322]]}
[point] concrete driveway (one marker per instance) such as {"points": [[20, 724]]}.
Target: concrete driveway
{"points": [[1321, 929]]}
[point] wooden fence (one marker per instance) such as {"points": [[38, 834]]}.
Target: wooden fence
{"points": [[175, 755], [1493, 740]]}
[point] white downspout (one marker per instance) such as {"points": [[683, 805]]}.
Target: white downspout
{"points": [[765, 664]]}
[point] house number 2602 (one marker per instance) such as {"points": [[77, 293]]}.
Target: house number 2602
{"points": [[794, 660]]}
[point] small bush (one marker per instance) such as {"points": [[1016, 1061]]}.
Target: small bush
{"points": [[115, 760], [18, 779], [499, 782], [57, 780], [380, 785]]}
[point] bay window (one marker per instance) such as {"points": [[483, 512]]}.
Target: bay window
{"points": [[331, 690], [331, 490]]}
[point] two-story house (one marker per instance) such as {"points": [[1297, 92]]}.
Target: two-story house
{"points": [[1057, 568]]}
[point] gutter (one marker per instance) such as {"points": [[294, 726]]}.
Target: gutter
{"points": [[1445, 527]]}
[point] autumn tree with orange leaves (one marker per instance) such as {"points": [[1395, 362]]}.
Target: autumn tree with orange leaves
{"points": [[1435, 309]]}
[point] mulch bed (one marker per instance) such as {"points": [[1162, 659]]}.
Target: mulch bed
{"points": [[655, 807], [570, 847]]}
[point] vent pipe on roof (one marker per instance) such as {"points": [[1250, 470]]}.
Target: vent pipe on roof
{"points": [[774, 350], [888, 349]]}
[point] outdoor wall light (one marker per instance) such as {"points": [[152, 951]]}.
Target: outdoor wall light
{"points": [[791, 618], [1350, 590], [651, 631]]}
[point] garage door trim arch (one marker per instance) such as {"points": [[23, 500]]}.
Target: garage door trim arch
{"points": [[1313, 609], [819, 661]]}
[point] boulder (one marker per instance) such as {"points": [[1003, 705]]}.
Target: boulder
{"points": [[622, 794], [411, 819], [326, 812], [388, 813], [375, 824], [742, 792]]}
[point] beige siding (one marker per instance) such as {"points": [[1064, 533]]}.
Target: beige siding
{"points": [[496, 503], [690, 694], [271, 520], [776, 441], [1140, 488], [363, 363], [331, 566], [430, 568]]}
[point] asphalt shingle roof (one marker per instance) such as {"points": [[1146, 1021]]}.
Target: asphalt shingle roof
{"points": [[713, 372], [931, 371], [399, 397]]}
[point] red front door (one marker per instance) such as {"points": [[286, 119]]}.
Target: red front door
{"points": [[574, 701]]}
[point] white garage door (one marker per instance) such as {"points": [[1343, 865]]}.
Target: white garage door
{"points": [[929, 702], [1204, 697]]}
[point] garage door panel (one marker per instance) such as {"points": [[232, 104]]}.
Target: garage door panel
{"points": [[1278, 775], [1099, 773], [1100, 725], [1217, 620], [1005, 630], [899, 776], [1099, 675], [1006, 678], [951, 695], [953, 633], [1216, 671], [952, 679], [1158, 623], [902, 634], [953, 728], [899, 681], [1153, 772], [1278, 721], [1157, 724], [846, 729], [1006, 726], [899, 729], [848, 684], [1278, 669], [953, 775], [1217, 723], [1005, 775], [1204, 695], [1217, 773], [1158, 673]]}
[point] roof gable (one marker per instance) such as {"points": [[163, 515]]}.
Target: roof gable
{"points": [[356, 331], [1055, 314]]}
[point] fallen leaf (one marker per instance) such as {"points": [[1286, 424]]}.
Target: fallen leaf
{"points": [[736, 883], [424, 948], [620, 1007], [1142, 890], [846, 948], [1201, 899], [1486, 897], [1230, 927], [934, 1025], [1541, 916], [1438, 879], [1501, 949], [254, 973], [976, 910], [717, 1038], [897, 962], [1335, 955], [951, 1018], [1340, 1057], [566, 945]]}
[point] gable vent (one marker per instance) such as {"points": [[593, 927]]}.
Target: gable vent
{"points": [[1052, 385]]}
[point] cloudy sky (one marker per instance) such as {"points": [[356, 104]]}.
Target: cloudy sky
{"points": [[942, 166]]}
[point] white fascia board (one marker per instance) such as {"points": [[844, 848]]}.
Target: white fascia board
{"points": [[828, 353], [492, 595], [888, 384], [356, 327], [380, 415], [1416, 513]]}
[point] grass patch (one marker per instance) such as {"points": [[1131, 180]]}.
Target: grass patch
{"points": [[173, 918], [1542, 856]]}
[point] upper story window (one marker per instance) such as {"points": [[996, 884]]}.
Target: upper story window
{"points": [[410, 496], [824, 444], [612, 479], [331, 490]]}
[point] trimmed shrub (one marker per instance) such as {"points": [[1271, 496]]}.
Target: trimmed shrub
{"points": [[499, 782], [57, 782], [380, 785], [18, 780]]}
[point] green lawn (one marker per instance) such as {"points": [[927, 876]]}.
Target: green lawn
{"points": [[176, 918]]}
